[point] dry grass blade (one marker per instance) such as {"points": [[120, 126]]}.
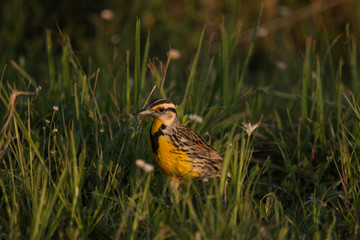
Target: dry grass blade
{"points": [[164, 69], [11, 108]]}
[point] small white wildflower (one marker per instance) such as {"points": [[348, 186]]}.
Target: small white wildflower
{"points": [[115, 39], [38, 89], [56, 108], [249, 128], [102, 130], [47, 121], [196, 118], [148, 167], [205, 179], [55, 130], [281, 65], [140, 163], [174, 54], [262, 32], [107, 14]]}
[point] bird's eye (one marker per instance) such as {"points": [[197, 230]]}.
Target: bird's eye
{"points": [[161, 109]]}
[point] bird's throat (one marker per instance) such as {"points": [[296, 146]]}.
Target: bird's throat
{"points": [[156, 125]]}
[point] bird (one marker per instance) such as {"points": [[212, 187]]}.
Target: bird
{"points": [[180, 152]]}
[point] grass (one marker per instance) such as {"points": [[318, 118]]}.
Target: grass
{"points": [[69, 142]]}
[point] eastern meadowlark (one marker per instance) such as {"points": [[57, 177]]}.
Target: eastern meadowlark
{"points": [[179, 151]]}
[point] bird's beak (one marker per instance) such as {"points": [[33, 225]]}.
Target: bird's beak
{"points": [[143, 112]]}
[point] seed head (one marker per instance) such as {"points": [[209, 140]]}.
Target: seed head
{"points": [[107, 14], [148, 167], [196, 118], [249, 128], [174, 54], [140, 163]]}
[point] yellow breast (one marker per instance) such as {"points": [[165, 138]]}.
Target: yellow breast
{"points": [[172, 161]]}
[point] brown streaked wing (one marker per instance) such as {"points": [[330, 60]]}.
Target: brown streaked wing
{"points": [[200, 146]]}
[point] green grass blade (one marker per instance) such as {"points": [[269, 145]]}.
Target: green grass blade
{"points": [[144, 64], [338, 92], [24, 74], [320, 131], [128, 89], [137, 84], [192, 74], [50, 59], [306, 79], [353, 54], [249, 53], [225, 66]]}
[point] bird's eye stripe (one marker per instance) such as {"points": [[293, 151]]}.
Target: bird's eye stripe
{"points": [[156, 107], [171, 110]]}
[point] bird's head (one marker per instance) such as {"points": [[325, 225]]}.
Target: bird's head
{"points": [[160, 109]]}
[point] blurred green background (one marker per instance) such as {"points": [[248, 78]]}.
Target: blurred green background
{"points": [[102, 40]]}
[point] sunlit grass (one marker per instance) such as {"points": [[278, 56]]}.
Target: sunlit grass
{"points": [[69, 144]]}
